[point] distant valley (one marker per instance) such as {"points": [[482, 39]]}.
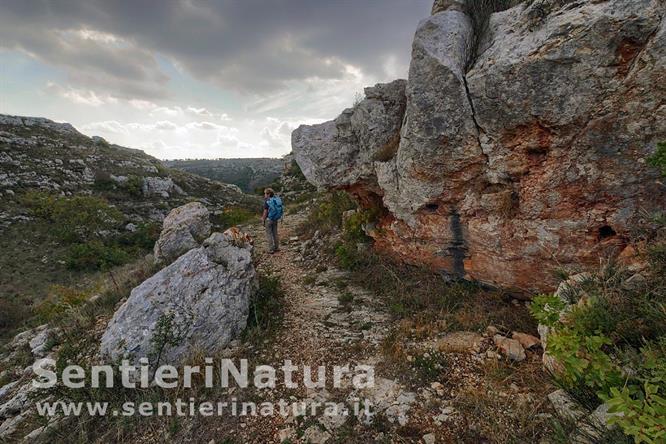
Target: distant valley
{"points": [[247, 174]]}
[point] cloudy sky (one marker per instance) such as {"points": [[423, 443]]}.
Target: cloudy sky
{"points": [[196, 79]]}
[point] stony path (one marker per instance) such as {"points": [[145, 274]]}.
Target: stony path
{"points": [[328, 321], [314, 316], [320, 328]]}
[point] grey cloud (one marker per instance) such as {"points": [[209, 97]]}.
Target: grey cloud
{"points": [[251, 45], [117, 67]]}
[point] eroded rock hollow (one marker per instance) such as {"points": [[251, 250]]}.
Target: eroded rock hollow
{"points": [[530, 157]]}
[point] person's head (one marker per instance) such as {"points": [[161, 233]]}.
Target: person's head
{"points": [[268, 192]]}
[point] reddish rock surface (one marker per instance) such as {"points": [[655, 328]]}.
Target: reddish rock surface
{"points": [[532, 159]]}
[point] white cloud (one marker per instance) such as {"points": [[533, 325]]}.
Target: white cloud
{"points": [[105, 127], [80, 96], [206, 126], [165, 125]]}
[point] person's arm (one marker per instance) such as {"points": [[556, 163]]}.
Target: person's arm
{"points": [[264, 215]]}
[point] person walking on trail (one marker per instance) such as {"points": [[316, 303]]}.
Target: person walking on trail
{"points": [[272, 214]]}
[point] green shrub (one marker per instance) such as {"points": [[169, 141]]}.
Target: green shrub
{"points": [[430, 365], [39, 203], [641, 404], [134, 186], [143, 238], [75, 219], [596, 339], [266, 306], [348, 256], [584, 359], [95, 255], [233, 216], [658, 159], [59, 300], [83, 218], [354, 225], [326, 215], [103, 181], [547, 309]]}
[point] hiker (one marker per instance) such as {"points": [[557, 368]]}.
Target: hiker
{"points": [[272, 213]]}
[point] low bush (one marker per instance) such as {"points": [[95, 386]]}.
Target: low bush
{"points": [[658, 159], [326, 215], [430, 364], [133, 186], [74, 219], [60, 299], [233, 216], [265, 307], [13, 312], [348, 256], [611, 342], [95, 255], [143, 238], [354, 225], [103, 181]]}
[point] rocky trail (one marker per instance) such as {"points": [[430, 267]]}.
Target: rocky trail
{"points": [[329, 322]]}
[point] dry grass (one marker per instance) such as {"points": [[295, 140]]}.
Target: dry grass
{"points": [[432, 304], [501, 416]]}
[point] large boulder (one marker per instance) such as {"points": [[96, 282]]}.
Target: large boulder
{"points": [[529, 157], [200, 301], [343, 152], [184, 228]]}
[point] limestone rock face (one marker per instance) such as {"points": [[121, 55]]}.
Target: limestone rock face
{"points": [[184, 228], [535, 157], [344, 151], [203, 298]]}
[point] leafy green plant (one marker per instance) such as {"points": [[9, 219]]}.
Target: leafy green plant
{"points": [[326, 215], [167, 333], [354, 224], [584, 359], [429, 365], [348, 256], [95, 255], [658, 159], [595, 342], [134, 186], [266, 306], [233, 216], [547, 309], [640, 405]]}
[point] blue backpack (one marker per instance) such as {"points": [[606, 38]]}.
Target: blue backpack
{"points": [[275, 210]]}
